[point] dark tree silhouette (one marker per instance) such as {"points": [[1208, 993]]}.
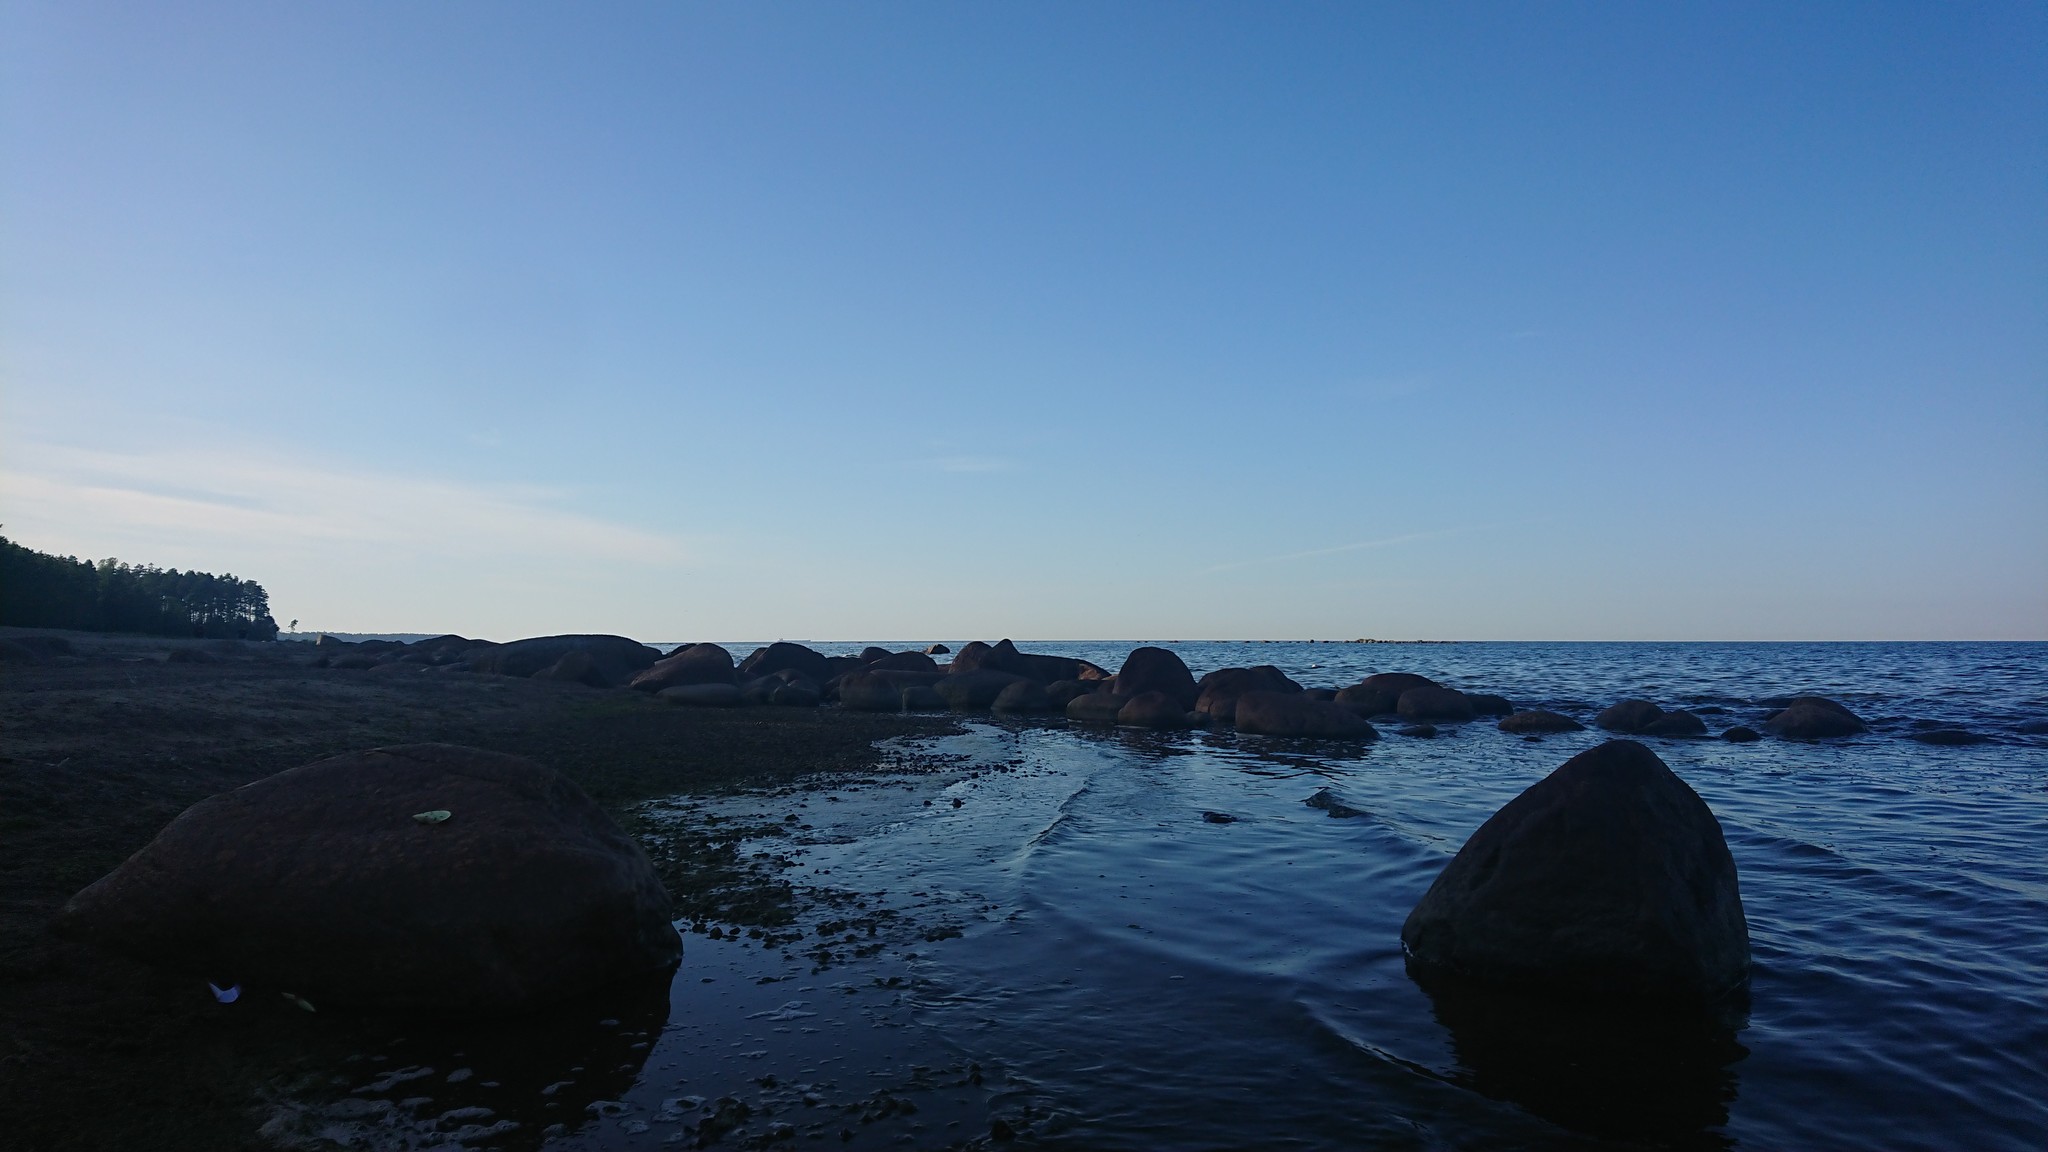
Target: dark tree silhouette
{"points": [[39, 590]]}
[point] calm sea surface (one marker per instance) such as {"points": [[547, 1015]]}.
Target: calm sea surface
{"points": [[1129, 974]]}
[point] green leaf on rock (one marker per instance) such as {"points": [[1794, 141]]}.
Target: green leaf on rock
{"points": [[433, 817]]}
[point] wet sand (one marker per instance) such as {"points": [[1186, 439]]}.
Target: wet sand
{"points": [[100, 748]]}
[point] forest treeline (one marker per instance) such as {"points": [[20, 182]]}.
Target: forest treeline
{"points": [[38, 590]]}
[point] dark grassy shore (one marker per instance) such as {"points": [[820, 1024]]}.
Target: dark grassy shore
{"points": [[100, 748]]}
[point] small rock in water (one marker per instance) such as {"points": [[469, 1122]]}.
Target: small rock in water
{"points": [[1219, 817], [1538, 720], [1328, 802], [2032, 728], [1948, 736], [1420, 731], [1741, 735]]}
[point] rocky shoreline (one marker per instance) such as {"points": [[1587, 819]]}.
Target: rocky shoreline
{"points": [[1152, 689]]}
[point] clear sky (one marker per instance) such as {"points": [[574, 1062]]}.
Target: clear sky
{"points": [[1172, 320]]}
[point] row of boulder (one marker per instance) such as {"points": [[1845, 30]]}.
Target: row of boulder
{"points": [[1153, 689]]}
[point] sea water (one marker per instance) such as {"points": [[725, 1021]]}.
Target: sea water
{"points": [[1130, 940]]}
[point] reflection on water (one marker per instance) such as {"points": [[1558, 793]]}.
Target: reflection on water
{"points": [[1629, 1072], [502, 1084]]}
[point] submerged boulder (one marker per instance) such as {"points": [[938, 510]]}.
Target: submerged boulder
{"points": [[1217, 693], [1813, 718], [1948, 736], [1151, 669], [1267, 713], [1380, 694], [1679, 723], [1608, 877], [1629, 717], [1538, 720], [1434, 704], [1741, 734], [332, 882]]}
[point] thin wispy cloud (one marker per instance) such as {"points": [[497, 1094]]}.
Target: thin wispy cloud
{"points": [[76, 496], [1338, 549]]}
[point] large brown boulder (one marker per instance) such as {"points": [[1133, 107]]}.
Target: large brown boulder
{"points": [[973, 691], [783, 656], [865, 692], [1063, 691], [1380, 694], [1609, 877], [1151, 669], [1096, 707], [326, 882], [1433, 704], [1813, 718], [1629, 717], [905, 662], [616, 658], [1269, 713], [1022, 697], [1154, 709], [696, 664], [923, 698], [1217, 693], [1002, 656], [575, 667]]}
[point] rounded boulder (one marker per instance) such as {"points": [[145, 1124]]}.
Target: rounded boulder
{"points": [[323, 881], [1539, 721], [1629, 717], [1150, 669], [1608, 877], [1293, 714], [1154, 709]]}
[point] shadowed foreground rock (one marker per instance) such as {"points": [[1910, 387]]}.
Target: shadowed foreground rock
{"points": [[320, 882], [1607, 878]]}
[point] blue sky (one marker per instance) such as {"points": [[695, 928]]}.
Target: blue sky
{"points": [[1560, 321]]}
